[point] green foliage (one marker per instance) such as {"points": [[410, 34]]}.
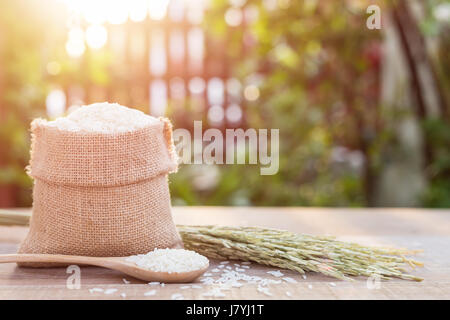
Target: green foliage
{"points": [[438, 194], [30, 38], [317, 69], [437, 131], [22, 88], [315, 65]]}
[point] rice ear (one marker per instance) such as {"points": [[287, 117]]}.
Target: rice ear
{"points": [[297, 252]]}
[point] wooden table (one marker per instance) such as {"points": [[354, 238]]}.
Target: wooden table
{"points": [[412, 228]]}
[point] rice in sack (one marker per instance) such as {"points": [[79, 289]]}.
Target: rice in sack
{"points": [[100, 184]]}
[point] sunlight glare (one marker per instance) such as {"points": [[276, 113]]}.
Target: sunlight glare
{"points": [[216, 114], [117, 11], [158, 59], [251, 93], [75, 43], [55, 103], [138, 10], [157, 9], [197, 85], [158, 98], [96, 36], [75, 6], [95, 11], [76, 34], [75, 49], [233, 17], [233, 113]]}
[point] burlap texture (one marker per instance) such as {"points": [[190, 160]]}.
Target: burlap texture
{"points": [[101, 194], [92, 159]]}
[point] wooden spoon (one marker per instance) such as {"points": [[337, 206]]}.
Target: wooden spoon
{"points": [[114, 263]]}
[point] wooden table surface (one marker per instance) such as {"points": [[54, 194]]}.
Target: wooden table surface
{"points": [[412, 228]]}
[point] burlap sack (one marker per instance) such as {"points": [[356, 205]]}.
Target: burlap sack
{"points": [[101, 194]]}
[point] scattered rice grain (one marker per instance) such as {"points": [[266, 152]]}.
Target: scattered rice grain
{"points": [[150, 293], [110, 291], [276, 273], [264, 290], [95, 290], [177, 296], [290, 280]]}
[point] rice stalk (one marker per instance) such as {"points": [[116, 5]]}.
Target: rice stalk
{"points": [[298, 252], [284, 249]]}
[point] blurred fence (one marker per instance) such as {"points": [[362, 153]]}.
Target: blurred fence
{"points": [[342, 95], [160, 54]]}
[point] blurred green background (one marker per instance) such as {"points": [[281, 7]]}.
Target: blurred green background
{"points": [[363, 113]]}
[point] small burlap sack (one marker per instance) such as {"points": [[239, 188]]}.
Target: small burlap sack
{"points": [[98, 194]]}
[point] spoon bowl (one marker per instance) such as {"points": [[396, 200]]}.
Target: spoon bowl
{"points": [[113, 263]]}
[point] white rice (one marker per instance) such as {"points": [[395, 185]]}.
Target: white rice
{"points": [[177, 296], [214, 292], [103, 118], [264, 290], [276, 273], [150, 293], [195, 286], [289, 280], [110, 291], [170, 260]]}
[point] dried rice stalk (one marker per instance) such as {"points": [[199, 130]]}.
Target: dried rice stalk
{"points": [[299, 252], [283, 249]]}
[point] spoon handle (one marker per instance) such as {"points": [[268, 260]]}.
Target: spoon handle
{"points": [[50, 258], [114, 263]]}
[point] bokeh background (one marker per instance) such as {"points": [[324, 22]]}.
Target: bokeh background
{"points": [[363, 114]]}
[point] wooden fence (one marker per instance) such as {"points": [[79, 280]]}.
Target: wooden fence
{"points": [[171, 62]]}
